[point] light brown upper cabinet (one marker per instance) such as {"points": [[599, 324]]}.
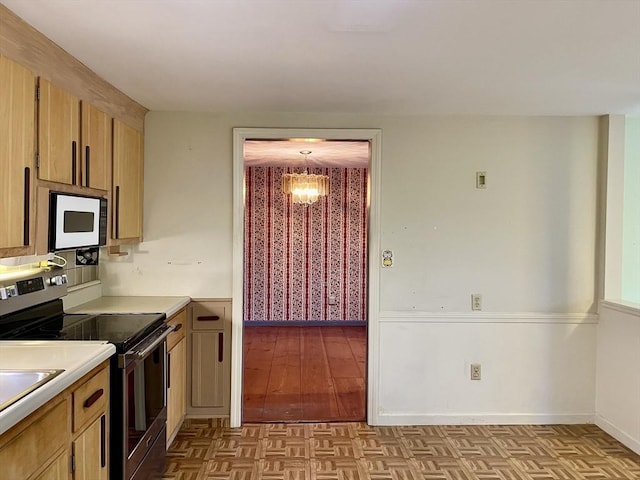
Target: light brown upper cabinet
{"points": [[95, 153], [126, 196], [17, 143], [74, 140], [58, 135]]}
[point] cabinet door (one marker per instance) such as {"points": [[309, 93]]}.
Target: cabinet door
{"points": [[58, 470], [28, 449], [127, 182], [208, 380], [90, 452], [58, 134], [95, 154], [176, 391], [17, 141]]}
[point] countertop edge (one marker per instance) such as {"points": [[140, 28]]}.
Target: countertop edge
{"points": [[26, 406], [168, 305], [178, 306]]}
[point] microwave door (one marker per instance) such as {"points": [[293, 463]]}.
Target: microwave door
{"points": [[77, 221]]}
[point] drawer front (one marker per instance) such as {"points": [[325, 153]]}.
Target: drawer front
{"points": [[90, 399], [210, 315], [179, 320]]}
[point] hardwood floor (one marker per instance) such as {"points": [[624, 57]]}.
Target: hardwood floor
{"points": [[304, 374]]}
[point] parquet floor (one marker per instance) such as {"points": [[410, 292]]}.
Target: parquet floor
{"points": [[207, 449], [304, 374]]}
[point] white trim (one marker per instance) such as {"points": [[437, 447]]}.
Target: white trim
{"points": [[373, 328], [615, 432], [484, 419], [621, 306], [235, 408], [487, 317], [239, 136]]}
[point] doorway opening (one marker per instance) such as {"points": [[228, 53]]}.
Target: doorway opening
{"points": [[305, 279], [300, 333]]}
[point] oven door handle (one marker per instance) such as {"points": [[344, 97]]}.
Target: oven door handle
{"points": [[143, 353], [134, 356]]}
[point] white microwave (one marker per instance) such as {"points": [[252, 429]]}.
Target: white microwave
{"points": [[76, 221]]}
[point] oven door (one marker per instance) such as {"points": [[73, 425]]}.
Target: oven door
{"points": [[144, 373]]}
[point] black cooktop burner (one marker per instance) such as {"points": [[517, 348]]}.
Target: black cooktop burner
{"points": [[49, 322]]}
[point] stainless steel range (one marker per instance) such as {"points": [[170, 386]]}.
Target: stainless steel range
{"points": [[31, 308]]}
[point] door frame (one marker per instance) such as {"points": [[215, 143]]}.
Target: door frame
{"points": [[374, 136]]}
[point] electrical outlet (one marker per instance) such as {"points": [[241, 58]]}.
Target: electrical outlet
{"points": [[333, 300], [476, 372], [476, 301]]}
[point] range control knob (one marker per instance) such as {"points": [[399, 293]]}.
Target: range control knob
{"points": [[3, 293], [58, 280]]}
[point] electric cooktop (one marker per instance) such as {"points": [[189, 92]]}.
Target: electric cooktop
{"points": [[49, 322]]}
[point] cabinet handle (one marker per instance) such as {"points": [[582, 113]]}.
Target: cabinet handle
{"points": [[87, 155], [103, 441], [178, 327], [27, 210], [117, 219], [93, 398], [74, 162], [169, 369], [220, 346], [208, 318]]}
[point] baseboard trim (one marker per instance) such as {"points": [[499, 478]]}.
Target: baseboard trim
{"points": [[484, 419], [615, 432], [305, 323]]}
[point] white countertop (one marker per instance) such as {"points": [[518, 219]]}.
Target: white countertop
{"points": [[168, 305], [77, 358]]}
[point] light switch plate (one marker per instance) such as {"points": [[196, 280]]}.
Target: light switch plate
{"points": [[387, 258], [481, 180]]}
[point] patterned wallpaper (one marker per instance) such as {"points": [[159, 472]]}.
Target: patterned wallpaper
{"points": [[297, 256]]}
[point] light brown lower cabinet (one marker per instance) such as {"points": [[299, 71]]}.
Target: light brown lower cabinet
{"points": [[67, 438], [89, 452], [58, 470], [209, 362], [177, 371]]}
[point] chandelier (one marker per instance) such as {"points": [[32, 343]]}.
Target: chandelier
{"points": [[305, 188]]}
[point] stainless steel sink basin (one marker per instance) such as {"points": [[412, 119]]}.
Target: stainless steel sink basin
{"points": [[16, 384]]}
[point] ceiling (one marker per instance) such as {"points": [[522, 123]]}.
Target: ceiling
{"points": [[322, 153], [394, 57]]}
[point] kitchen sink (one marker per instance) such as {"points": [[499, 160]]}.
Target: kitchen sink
{"points": [[16, 383]]}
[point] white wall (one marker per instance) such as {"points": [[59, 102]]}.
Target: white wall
{"points": [[187, 212], [526, 243], [618, 374], [531, 372]]}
